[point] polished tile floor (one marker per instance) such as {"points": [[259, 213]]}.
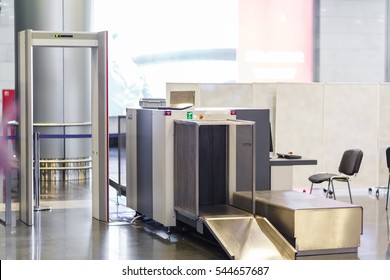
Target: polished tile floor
{"points": [[68, 231]]}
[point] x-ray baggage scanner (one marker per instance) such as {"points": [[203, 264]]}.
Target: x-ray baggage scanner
{"points": [[97, 42], [150, 155], [185, 165]]}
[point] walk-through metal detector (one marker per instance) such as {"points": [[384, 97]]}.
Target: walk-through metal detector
{"points": [[97, 41]]}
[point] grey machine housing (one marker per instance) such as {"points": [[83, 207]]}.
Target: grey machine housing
{"points": [[150, 156]]}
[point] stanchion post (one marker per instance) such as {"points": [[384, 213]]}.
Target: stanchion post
{"points": [[119, 150], [8, 201], [36, 169], [37, 181], [8, 211], [119, 191]]}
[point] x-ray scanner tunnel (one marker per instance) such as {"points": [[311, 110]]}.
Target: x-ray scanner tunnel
{"points": [[207, 156], [61, 82]]}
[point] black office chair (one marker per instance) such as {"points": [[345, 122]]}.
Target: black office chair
{"points": [[349, 166], [388, 182]]}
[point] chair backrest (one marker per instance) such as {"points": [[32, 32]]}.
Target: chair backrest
{"points": [[350, 162], [388, 157]]}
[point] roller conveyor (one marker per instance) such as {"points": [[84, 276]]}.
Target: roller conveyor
{"points": [[249, 238], [241, 235], [312, 225], [212, 160]]}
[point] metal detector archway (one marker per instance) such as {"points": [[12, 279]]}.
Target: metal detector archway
{"points": [[97, 42]]}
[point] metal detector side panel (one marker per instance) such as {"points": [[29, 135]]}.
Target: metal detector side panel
{"points": [[249, 238], [25, 52], [100, 180]]}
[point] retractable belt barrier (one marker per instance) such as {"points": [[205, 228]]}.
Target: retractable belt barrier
{"points": [[36, 137]]}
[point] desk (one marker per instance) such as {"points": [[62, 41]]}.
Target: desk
{"points": [[281, 170]]}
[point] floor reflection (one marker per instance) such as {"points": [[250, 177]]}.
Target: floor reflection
{"points": [[68, 231]]}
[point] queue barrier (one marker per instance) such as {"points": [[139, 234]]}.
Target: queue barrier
{"points": [[37, 136]]}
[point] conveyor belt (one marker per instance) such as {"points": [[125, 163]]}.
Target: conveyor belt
{"points": [[311, 224]]}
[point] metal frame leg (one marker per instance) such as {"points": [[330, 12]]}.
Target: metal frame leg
{"points": [[349, 190], [328, 189], [334, 194], [36, 175], [388, 187]]}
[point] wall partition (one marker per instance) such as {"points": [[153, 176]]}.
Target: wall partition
{"points": [[323, 120], [316, 120]]}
